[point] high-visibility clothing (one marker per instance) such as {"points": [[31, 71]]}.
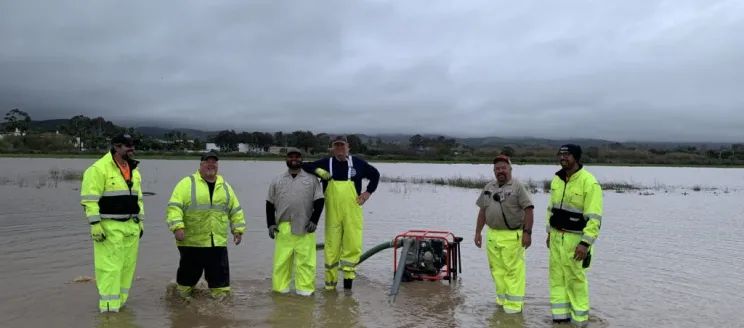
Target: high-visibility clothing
{"points": [[117, 205], [344, 225], [202, 215], [506, 259], [574, 217], [288, 249]]}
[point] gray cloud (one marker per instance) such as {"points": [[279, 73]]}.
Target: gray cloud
{"points": [[622, 70]]}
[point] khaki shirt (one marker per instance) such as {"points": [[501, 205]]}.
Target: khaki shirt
{"points": [[293, 198], [515, 198]]}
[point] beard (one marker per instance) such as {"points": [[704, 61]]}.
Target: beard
{"points": [[294, 164]]}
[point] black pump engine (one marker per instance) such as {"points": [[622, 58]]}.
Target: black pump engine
{"points": [[425, 258]]}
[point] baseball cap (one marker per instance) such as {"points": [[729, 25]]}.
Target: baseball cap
{"points": [[209, 155], [339, 138], [123, 139], [501, 158], [293, 150]]}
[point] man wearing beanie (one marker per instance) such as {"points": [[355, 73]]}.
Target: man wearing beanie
{"points": [[574, 219]]}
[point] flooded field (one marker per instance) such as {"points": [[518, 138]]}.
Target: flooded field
{"points": [[669, 256]]}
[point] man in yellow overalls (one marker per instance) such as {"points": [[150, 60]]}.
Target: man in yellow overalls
{"points": [[296, 198], [506, 208], [112, 197], [574, 219], [342, 176], [200, 209]]}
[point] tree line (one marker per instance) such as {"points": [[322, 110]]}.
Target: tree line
{"points": [[83, 134]]}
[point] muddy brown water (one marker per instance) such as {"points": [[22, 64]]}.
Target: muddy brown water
{"points": [[671, 259]]}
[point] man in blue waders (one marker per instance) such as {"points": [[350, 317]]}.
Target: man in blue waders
{"points": [[342, 176]]}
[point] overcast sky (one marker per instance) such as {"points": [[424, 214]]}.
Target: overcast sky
{"points": [[616, 69]]}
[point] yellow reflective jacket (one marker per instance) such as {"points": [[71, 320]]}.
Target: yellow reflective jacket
{"points": [[576, 205], [105, 194], [204, 221]]}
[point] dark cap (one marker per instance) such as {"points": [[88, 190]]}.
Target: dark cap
{"points": [[501, 158], [572, 149], [209, 155], [339, 138], [122, 139], [293, 150]]}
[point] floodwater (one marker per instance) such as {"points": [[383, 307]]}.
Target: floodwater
{"points": [[670, 259]]}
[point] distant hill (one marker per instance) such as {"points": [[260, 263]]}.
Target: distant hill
{"points": [[158, 132]]}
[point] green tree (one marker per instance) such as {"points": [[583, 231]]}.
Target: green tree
{"points": [[17, 119]]}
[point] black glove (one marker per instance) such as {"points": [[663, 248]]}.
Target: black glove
{"points": [[311, 226], [273, 230]]}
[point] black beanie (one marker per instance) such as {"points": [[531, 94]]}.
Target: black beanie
{"points": [[572, 149]]}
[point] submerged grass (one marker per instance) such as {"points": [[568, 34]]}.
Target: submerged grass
{"points": [[534, 185]]}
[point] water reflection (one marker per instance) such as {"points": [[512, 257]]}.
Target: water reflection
{"points": [[124, 319], [290, 310], [337, 309]]}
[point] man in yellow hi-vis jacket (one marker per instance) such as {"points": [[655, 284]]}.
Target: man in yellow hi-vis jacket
{"points": [[296, 199], [112, 197], [200, 209], [574, 219], [342, 176]]}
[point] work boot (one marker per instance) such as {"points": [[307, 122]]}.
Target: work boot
{"points": [[347, 283], [561, 320]]}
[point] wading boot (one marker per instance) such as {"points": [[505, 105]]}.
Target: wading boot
{"points": [[347, 283]]}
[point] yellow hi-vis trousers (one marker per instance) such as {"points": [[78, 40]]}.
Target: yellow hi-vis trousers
{"points": [[344, 224], [506, 258], [298, 251], [569, 287], [115, 260]]}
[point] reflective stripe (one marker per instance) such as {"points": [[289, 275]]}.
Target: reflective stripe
{"points": [[350, 164], [588, 239], [347, 263], [239, 225], [174, 222], [90, 197], [93, 218], [118, 216], [236, 210], [125, 290], [572, 209], [174, 204], [109, 297], [195, 206], [511, 297], [331, 266], [120, 193]]}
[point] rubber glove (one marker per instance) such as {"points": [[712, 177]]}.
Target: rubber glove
{"points": [[273, 230], [311, 226], [96, 232], [142, 228], [323, 174]]}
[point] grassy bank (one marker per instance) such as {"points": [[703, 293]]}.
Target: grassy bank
{"points": [[534, 185], [374, 159]]}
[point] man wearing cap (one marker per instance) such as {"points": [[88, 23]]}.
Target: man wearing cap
{"points": [[342, 176], [574, 217], [112, 197], [200, 209], [506, 208], [296, 198]]}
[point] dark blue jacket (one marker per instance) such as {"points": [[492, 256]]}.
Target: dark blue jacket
{"points": [[362, 170]]}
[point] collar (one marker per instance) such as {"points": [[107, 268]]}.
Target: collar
{"points": [[289, 175], [562, 173], [131, 162]]}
